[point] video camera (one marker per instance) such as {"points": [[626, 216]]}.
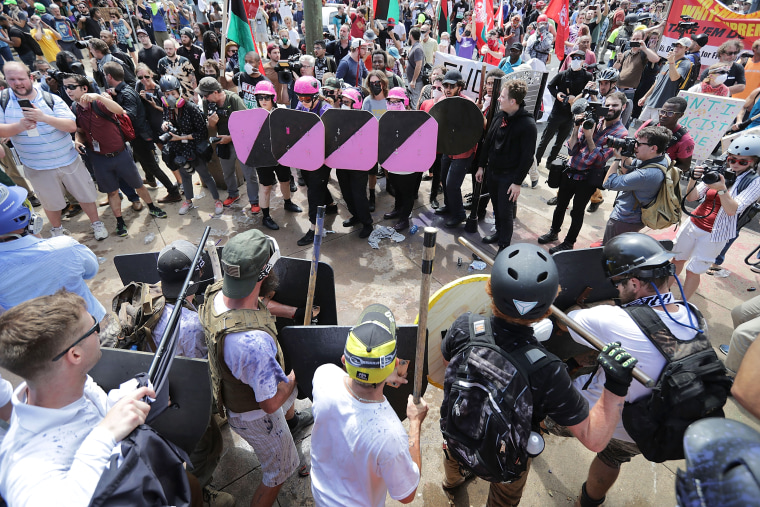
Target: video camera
{"points": [[290, 70], [712, 172], [626, 145], [687, 24]]}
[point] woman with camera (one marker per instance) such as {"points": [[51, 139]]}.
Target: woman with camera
{"points": [[186, 144], [714, 222]]}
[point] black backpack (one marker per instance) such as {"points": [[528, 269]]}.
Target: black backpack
{"points": [[693, 385], [487, 409]]}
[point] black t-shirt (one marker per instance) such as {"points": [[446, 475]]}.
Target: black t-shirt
{"points": [[735, 75], [286, 53], [24, 48], [91, 27], [551, 387], [194, 55], [150, 57], [246, 84], [337, 51]]}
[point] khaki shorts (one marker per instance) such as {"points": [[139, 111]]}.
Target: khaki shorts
{"points": [[615, 454], [49, 184]]}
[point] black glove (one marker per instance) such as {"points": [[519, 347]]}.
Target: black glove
{"points": [[618, 368]]}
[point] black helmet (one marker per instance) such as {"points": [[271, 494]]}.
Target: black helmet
{"points": [[722, 464], [524, 281], [169, 83], [636, 254], [700, 39], [631, 19]]}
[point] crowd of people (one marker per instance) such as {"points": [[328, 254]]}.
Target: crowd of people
{"points": [[116, 97]]}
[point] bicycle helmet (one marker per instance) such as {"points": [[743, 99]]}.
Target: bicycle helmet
{"points": [[15, 213], [399, 93], [636, 254], [355, 96], [609, 74], [306, 85], [264, 88], [524, 281], [746, 146], [169, 83]]}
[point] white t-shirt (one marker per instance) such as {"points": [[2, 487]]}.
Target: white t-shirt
{"points": [[613, 324], [359, 451], [191, 339]]}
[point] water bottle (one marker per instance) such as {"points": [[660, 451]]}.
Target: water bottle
{"points": [[535, 445], [413, 230]]}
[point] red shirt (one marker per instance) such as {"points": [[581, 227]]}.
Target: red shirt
{"points": [[103, 130], [490, 59], [706, 224], [358, 26]]}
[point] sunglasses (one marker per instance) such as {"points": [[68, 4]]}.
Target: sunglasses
{"points": [[669, 114], [741, 162], [305, 98], [449, 86], [71, 87], [94, 329], [577, 58], [639, 143], [732, 53], [260, 98]]}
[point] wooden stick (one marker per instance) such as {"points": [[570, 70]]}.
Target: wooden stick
{"points": [[214, 256], [314, 265], [428, 255], [638, 374]]}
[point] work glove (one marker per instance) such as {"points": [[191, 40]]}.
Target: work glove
{"points": [[618, 368]]}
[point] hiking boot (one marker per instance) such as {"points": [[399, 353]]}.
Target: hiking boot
{"points": [[270, 223], [228, 201], [186, 206], [302, 419], [548, 237], [552, 201], [307, 239], [99, 230], [218, 208], [72, 210], [121, 230], [157, 213], [561, 247], [214, 498], [594, 206], [60, 231], [36, 202]]}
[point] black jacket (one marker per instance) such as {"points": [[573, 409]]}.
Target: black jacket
{"points": [[129, 99], [569, 82], [510, 144]]}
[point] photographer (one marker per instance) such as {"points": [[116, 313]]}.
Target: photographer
{"points": [[669, 81], [631, 63], [185, 131], [638, 181], [564, 87], [272, 74], [588, 152], [713, 223], [218, 106]]}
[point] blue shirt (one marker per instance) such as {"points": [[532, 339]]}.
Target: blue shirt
{"points": [[34, 267], [509, 67], [639, 186], [755, 111], [159, 24], [347, 70]]}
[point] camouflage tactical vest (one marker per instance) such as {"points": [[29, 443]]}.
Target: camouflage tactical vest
{"points": [[229, 391]]}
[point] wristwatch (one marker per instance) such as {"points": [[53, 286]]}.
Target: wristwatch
{"points": [[721, 192]]}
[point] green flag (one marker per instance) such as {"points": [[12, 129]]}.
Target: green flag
{"points": [[239, 30]]}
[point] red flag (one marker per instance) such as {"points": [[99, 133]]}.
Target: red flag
{"points": [[483, 14], [558, 10]]}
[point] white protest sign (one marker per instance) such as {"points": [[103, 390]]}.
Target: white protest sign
{"points": [[470, 70], [707, 118]]}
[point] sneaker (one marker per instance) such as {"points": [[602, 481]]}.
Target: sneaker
{"points": [[291, 206], [302, 418], [270, 223], [228, 201], [561, 247], [548, 238], [121, 230], [99, 229], [157, 213], [255, 208], [60, 231], [186, 206], [724, 349], [218, 207], [552, 201], [307, 239], [214, 498], [34, 201]]}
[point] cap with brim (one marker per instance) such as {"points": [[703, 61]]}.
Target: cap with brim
{"points": [[331, 83], [517, 46], [684, 41], [173, 264], [39, 7], [140, 30], [356, 43], [394, 53], [391, 22], [369, 35], [371, 346], [208, 85], [10, 2], [452, 77], [578, 52], [243, 258]]}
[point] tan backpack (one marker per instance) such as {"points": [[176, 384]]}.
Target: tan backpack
{"points": [[665, 209]]}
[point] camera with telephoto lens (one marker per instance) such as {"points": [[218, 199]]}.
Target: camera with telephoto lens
{"points": [[711, 173], [594, 110], [626, 145], [84, 43], [167, 136], [56, 74]]}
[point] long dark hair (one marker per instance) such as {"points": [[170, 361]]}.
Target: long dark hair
{"points": [[211, 45]]}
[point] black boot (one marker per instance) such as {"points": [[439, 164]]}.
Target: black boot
{"points": [[371, 200]]}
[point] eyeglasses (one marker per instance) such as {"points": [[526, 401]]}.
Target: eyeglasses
{"points": [[143, 77], [741, 161], [424, 33], [260, 98], [577, 58], [639, 143], [669, 114], [94, 329], [71, 87]]}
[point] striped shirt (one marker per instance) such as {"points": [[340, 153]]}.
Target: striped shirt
{"points": [[53, 148], [724, 227]]}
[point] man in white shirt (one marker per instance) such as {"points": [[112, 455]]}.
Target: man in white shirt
{"points": [[359, 449], [62, 435]]}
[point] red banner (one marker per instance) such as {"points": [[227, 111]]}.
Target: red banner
{"points": [[483, 15], [558, 11], [251, 7], [714, 20]]}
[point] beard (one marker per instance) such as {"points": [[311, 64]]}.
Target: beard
{"points": [[270, 284]]}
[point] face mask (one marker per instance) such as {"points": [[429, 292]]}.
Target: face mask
{"points": [[467, 33], [720, 79], [437, 93], [343, 106], [375, 88], [575, 64], [443, 42], [172, 101], [248, 68], [395, 107], [284, 41]]}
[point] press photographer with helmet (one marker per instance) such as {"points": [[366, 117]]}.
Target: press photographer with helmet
{"points": [[725, 192], [186, 142], [523, 285]]}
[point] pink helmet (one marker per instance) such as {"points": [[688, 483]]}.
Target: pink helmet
{"points": [[543, 18], [264, 88], [399, 93], [306, 85], [355, 96]]}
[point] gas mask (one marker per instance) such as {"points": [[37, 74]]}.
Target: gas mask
{"points": [[171, 101]]}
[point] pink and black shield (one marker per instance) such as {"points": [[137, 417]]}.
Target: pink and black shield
{"points": [[407, 141], [351, 138], [298, 139], [250, 136], [460, 125]]}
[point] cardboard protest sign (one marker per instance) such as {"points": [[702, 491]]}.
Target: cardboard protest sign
{"points": [[707, 118]]}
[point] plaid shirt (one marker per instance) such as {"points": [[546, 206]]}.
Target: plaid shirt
{"points": [[582, 159]]}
